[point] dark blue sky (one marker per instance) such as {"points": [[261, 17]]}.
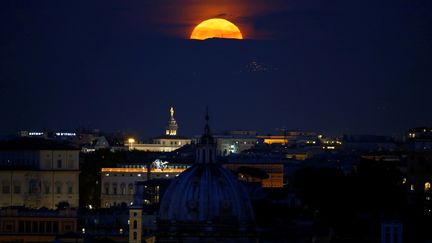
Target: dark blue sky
{"points": [[331, 66]]}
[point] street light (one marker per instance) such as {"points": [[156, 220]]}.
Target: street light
{"points": [[131, 142]]}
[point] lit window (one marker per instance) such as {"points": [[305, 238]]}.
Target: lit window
{"points": [[427, 186], [412, 187]]}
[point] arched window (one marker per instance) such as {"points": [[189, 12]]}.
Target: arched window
{"points": [[114, 186], [69, 187], [131, 189], [122, 189], [58, 186], [135, 224], [106, 186]]}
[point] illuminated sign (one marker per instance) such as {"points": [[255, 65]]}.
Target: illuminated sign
{"points": [[66, 134], [35, 133]]}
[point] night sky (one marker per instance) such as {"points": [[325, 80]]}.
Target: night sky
{"points": [[360, 66]]}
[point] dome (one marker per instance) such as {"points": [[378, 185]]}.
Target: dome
{"points": [[206, 197], [206, 194]]}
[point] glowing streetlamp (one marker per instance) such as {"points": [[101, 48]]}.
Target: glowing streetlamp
{"points": [[131, 141]]}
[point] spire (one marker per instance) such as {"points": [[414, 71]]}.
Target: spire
{"points": [[207, 127], [206, 149]]}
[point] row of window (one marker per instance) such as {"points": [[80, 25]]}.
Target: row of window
{"points": [[6, 189], [40, 227], [122, 190], [58, 155], [60, 164], [171, 143], [18, 162], [27, 226]]}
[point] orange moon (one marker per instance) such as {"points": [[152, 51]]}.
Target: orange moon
{"points": [[216, 28]]}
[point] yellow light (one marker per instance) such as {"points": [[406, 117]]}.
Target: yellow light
{"points": [[216, 28], [141, 170], [427, 186], [131, 140]]}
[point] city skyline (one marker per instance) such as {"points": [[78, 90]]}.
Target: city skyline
{"points": [[216, 121], [219, 130]]}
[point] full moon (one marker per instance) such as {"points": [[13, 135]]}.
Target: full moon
{"points": [[216, 28]]}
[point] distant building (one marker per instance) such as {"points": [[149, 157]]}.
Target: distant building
{"points": [[419, 139], [368, 143], [105, 223], [37, 173], [119, 184], [88, 141], [166, 143], [274, 167], [419, 180], [291, 137], [234, 142], [19, 224]]}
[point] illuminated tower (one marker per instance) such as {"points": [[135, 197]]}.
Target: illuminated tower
{"points": [[172, 127]]}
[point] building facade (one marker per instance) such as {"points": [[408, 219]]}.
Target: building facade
{"points": [[18, 224], [119, 184], [233, 142], [38, 173]]}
